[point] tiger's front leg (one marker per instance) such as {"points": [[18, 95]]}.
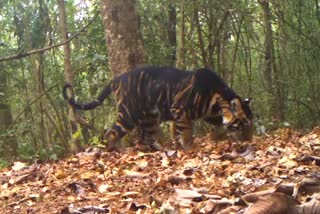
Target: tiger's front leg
{"points": [[183, 128]]}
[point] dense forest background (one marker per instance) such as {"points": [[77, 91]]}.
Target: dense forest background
{"points": [[267, 50]]}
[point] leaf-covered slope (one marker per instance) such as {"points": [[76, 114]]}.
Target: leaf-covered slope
{"points": [[217, 177]]}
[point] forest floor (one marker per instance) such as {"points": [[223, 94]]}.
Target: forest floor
{"points": [[278, 173]]}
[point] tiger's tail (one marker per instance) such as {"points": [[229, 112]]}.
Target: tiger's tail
{"points": [[90, 105]]}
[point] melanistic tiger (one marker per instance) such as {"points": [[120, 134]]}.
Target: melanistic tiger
{"points": [[149, 95]]}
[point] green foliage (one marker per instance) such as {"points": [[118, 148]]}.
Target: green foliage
{"points": [[41, 127], [154, 26]]}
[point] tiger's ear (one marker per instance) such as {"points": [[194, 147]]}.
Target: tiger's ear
{"points": [[247, 100]]}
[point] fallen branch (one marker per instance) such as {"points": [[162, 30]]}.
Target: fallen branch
{"points": [[86, 209]]}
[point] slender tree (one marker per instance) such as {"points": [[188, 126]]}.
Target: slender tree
{"points": [[75, 143], [8, 142], [267, 74], [172, 32], [200, 34], [270, 67], [181, 60]]}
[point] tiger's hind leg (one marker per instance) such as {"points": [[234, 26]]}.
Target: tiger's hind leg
{"points": [[150, 129], [119, 129]]}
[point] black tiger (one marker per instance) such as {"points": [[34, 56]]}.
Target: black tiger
{"points": [[147, 96]]}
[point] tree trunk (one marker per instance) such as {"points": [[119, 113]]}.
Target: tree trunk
{"points": [[279, 75], [34, 89], [222, 59], [38, 86], [172, 33], [123, 36], [272, 75], [267, 74], [181, 60], [8, 142], [317, 10], [75, 143], [200, 37], [270, 69]]}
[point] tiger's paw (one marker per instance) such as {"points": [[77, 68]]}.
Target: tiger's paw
{"points": [[188, 147], [152, 147], [156, 146], [112, 147]]}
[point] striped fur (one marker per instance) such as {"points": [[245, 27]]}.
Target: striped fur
{"points": [[147, 96]]}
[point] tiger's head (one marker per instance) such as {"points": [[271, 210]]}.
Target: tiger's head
{"points": [[224, 102], [232, 113], [236, 119], [236, 113]]}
